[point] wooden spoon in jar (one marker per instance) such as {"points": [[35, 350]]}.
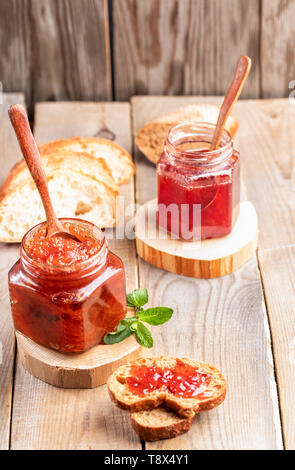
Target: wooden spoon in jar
{"points": [[234, 91], [20, 122]]}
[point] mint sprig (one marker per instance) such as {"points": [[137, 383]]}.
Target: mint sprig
{"points": [[137, 298], [134, 325]]}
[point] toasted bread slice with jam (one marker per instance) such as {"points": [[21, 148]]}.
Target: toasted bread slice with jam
{"points": [[210, 394], [150, 139], [117, 159], [79, 185]]}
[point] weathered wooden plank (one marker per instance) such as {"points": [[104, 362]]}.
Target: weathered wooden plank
{"points": [[222, 321], [9, 153], [277, 48], [267, 145], [278, 274], [181, 47], [45, 417], [54, 50]]}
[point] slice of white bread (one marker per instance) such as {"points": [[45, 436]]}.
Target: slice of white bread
{"points": [[123, 397], [79, 185], [116, 158], [150, 139], [159, 423]]}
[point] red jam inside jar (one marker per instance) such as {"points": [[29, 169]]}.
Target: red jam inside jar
{"points": [[198, 189], [58, 250], [182, 380], [64, 294]]}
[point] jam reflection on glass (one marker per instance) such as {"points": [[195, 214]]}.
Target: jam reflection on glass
{"points": [[64, 294], [191, 176], [182, 381]]}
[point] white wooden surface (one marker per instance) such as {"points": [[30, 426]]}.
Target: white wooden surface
{"points": [[222, 321]]}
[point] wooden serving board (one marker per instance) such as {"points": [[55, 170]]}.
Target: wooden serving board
{"points": [[204, 259], [86, 370]]}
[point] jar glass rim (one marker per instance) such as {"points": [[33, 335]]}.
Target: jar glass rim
{"points": [[188, 129], [80, 265]]}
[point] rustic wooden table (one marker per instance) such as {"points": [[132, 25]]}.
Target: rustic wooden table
{"points": [[243, 323]]}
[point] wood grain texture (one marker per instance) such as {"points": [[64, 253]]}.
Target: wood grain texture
{"points": [[277, 48], [278, 274], [45, 417], [86, 370], [9, 153], [222, 321], [206, 259], [182, 46], [56, 49], [267, 145], [267, 142]]}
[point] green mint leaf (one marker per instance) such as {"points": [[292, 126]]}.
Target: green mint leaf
{"points": [[121, 327], [128, 321], [133, 326], [143, 336], [155, 316], [117, 336], [137, 298]]}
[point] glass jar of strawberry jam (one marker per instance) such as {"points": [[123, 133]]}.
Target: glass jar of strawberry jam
{"points": [[67, 294], [198, 189]]}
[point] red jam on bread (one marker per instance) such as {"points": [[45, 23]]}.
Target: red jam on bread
{"points": [[183, 380], [67, 295]]}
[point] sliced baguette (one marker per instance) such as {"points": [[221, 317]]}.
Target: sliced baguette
{"points": [[116, 158], [150, 139], [123, 397], [79, 185], [152, 425]]}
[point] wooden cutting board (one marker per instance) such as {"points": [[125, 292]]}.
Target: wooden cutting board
{"points": [[203, 259]]}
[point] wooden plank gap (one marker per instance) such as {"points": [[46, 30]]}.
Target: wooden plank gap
{"points": [[270, 333], [109, 54], [277, 275], [12, 389]]}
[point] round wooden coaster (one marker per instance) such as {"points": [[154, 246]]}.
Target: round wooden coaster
{"points": [[86, 370], [203, 259]]}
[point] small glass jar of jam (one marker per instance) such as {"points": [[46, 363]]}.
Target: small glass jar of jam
{"points": [[198, 189], [67, 294]]}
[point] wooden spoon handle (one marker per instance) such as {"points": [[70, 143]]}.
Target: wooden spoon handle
{"points": [[234, 91], [20, 122]]}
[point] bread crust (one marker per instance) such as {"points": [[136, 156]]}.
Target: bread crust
{"points": [[171, 426], [62, 145], [186, 408], [150, 139], [5, 187], [95, 169]]}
